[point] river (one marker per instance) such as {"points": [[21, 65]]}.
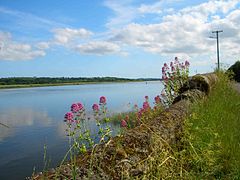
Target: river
{"points": [[35, 119]]}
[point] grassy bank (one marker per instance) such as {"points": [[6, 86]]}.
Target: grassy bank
{"points": [[25, 82], [35, 85], [210, 147], [55, 84], [212, 134]]}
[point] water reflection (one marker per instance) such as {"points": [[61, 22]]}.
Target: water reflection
{"points": [[20, 117], [35, 118], [89, 124]]}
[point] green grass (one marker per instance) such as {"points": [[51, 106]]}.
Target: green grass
{"points": [[212, 134], [210, 146]]}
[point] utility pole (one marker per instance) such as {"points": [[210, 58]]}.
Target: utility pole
{"points": [[216, 37]]}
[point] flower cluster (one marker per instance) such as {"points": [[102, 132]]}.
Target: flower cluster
{"points": [[103, 100], [142, 114], [69, 116], [77, 110], [125, 122], [157, 100], [173, 78], [79, 135], [95, 107], [76, 107], [145, 107], [102, 103]]}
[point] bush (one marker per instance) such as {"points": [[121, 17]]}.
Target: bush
{"points": [[235, 68], [173, 79]]}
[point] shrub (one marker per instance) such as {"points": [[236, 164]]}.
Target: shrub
{"points": [[235, 68], [173, 79]]}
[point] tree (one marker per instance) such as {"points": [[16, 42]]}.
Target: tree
{"points": [[235, 68]]}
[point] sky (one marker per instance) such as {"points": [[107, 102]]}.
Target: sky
{"points": [[120, 38]]}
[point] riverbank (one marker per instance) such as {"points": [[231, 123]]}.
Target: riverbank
{"points": [[207, 142], [59, 84], [211, 134], [26, 82]]}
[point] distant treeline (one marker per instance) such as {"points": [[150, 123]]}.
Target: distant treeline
{"points": [[57, 80]]}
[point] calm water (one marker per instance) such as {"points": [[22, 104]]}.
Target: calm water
{"points": [[35, 118]]}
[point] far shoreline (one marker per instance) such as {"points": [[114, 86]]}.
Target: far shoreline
{"points": [[18, 86]]}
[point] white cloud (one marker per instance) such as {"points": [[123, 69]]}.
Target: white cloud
{"points": [[79, 41], [16, 117], [204, 10], [212, 7], [98, 48], [177, 35], [187, 31], [157, 7], [182, 32], [66, 35], [43, 45], [230, 38], [124, 13], [152, 9], [11, 50]]}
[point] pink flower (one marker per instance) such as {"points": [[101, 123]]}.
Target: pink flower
{"points": [[164, 76], [146, 98], [187, 63], [123, 123], [157, 99], [166, 66], [69, 116], [172, 68], [95, 107], [163, 69], [140, 113], [146, 105], [75, 108], [80, 106], [165, 79], [103, 100], [176, 59]]}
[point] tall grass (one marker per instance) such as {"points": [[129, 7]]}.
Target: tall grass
{"points": [[210, 147], [212, 135]]}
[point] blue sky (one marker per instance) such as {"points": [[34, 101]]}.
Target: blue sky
{"points": [[127, 38]]}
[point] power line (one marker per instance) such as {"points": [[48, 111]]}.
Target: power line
{"points": [[216, 37]]}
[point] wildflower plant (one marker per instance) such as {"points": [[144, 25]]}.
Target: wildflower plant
{"points": [[102, 119], [141, 115], [173, 76], [80, 137]]}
